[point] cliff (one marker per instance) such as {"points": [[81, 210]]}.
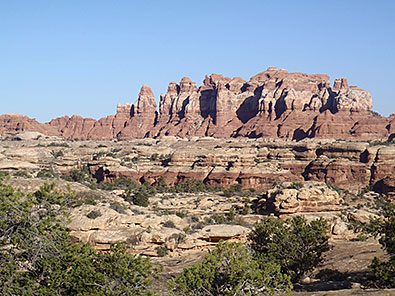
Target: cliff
{"points": [[272, 104]]}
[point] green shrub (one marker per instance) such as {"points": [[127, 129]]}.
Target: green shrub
{"points": [[57, 154], [361, 237], [154, 157], [375, 113], [190, 186], [116, 206], [296, 185], [384, 227], [45, 173], [54, 144], [246, 209], [23, 174], [297, 246], [384, 272], [162, 251], [222, 219], [169, 224], [180, 214], [90, 201], [232, 190], [98, 155], [230, 270], [94, 214], [140, 199], [219, 219], [78, 175], [37, 256], [3, 175], [140, 196], [326, 275]]}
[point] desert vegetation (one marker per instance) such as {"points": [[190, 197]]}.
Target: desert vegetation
{"points": [[227, 239], [37, 256]]}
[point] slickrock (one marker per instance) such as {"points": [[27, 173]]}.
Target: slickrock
{"points": [[215, 233], [272, 104], [291, 198], [254, 163]]}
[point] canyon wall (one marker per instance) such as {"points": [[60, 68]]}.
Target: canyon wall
{"points": [[272, 104]]}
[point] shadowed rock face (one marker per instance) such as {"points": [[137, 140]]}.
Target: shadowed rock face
{"points": [[274, 104]]}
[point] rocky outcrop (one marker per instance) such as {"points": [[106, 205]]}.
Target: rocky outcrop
{"points": [[18, 122], [253, 163], [272, 104], [143, 116], [297, 198]]}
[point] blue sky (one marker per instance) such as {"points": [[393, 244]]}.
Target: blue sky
{"points": [[83, 57]]}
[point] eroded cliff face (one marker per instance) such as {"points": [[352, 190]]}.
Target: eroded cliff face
{"points": [[272, 104], [253, 163]]}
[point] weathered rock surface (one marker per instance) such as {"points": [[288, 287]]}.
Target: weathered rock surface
{"points": [[291, 176], [272, 104], [253, 163], [291, 198]]}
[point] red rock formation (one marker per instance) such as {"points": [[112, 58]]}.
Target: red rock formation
{"points": [[143, 116], [273, 103], [17, 122]]}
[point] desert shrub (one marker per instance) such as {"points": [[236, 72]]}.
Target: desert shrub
{"points": [[190, 186], [361, 237], [37, 256], [228, 218], [179, 237], [54, 144], [23, 174], [180, 214], [384, 272], [375, 113], [45, 173], [232, 190], [169, 224], [251, 192], [98, 155], [57, 154], [85, 197], [165, 159], [326, 275], [161, 251], [111, 154], [297, 246], [81, 175], [90, 201], [230, 215], [78, 175], [230, 269], [161, 185], [296, 185], [3, 175], [154, 157], [94, 214], [219, 219], [119, 183], [140, 196], [384, 227], [116, 206], [246, 208]]}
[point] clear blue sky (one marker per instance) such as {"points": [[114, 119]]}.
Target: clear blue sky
{"points": [[83, 57]]}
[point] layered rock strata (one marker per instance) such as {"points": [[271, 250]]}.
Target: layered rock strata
{"points": [[272, 104], [254, 163]]}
